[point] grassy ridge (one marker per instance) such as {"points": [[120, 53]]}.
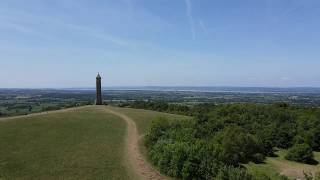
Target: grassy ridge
{"points": [[84, 144], [88, 143], [143, 118]]}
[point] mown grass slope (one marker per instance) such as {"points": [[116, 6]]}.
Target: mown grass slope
{"points": [[274, 165], [83, 143], [86, 143], [144, 118]]}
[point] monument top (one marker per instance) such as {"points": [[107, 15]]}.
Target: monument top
{"points": [[98, 76]]}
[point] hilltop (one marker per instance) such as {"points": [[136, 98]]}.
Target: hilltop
{"points": [[79, 143]]}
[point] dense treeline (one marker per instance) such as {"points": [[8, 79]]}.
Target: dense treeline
{"points": [[222, 138], [170, 107]]}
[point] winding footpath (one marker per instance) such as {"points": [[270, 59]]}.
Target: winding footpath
{"points": [[142, 168]]}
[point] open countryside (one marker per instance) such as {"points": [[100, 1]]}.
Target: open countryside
{"points": [[159, 90]]}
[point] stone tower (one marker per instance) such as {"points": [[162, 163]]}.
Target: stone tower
{"points": [[99, 94]]}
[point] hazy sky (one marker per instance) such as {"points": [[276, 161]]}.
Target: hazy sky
{"points": [[64, 43]]}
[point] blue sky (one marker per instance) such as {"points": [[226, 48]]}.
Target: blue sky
{"points": [[64, 43]]}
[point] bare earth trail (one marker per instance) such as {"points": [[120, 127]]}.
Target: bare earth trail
{"points": [[142, 169], [292, 169]]}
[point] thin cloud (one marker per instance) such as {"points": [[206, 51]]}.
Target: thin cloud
{"points": [[190, 17], [203, 26], [40, 27], [101, 35]]}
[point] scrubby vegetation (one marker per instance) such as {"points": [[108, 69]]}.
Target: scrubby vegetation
{"points": [[222, 138], [300, 153]]}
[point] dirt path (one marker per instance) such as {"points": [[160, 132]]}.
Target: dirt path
{"points": [[137, 162], [293, 170]]}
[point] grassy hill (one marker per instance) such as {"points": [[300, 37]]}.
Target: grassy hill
{"points": [[89, 143], [81, 144], [84, 143], [143, 118]]}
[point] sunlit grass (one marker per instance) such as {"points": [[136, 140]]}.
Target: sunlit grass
{"points": [[83, 144]]}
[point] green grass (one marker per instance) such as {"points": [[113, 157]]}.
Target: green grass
{"points": [[84, 144], [88, 143], [143, 118], [279, 165]]}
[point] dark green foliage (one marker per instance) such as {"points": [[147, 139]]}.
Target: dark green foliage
{"points": [[237, 146], [258, 158], [300, 153], [160, 106], [231, 135], [30, 108], [50, 108], [156, 131]]}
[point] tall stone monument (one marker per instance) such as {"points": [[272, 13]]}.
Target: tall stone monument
{"points": [[99, 94]]}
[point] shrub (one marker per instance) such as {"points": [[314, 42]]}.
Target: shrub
{"points": [[158, 129], [237, 145], [223, 137], [50, 108], [300, 153], [258, 158], [232, 173]]}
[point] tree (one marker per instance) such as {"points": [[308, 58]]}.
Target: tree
{"points": [[300, 153], [237, 145], [30, 108]]}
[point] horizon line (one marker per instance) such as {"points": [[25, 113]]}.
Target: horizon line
{"points": [[165, 86]]}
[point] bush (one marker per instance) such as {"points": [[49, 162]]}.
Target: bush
{"points": [[232, 173], [300, 153], [158, 128], [258, 158], [223, 137], [51, 108], [237, 146]]}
